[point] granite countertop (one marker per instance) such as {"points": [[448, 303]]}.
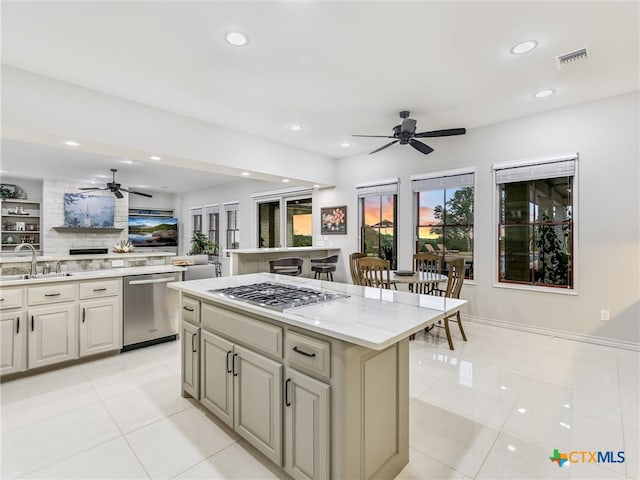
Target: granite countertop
{"points": [[369, 317], [91, 275]]}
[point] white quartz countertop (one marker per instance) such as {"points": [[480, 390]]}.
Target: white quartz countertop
{"points": [[278, 250], [93, 274], [25, 256], [370, 317]]}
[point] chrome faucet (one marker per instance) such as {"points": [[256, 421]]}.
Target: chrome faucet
{"points": [[34, 262]]}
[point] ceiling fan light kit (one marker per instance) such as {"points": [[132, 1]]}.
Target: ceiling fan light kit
{"points": [[405, 134], [115, 188]]}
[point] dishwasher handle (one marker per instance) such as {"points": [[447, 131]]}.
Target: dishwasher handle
{"points": [[155, 280]]}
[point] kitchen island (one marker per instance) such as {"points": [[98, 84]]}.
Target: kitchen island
{"points": [[320, 389]]}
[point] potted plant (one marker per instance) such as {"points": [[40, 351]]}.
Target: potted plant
{"points": [[200, 245]]}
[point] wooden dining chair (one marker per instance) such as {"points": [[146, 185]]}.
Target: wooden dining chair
{"points": [[353, 266], [426, 263], [454, 287], [374, 272]]}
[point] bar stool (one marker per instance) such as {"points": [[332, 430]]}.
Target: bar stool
{"points": [[286, 266], [326, 265]]}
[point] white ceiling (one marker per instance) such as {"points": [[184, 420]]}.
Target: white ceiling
{"points": [[337, 68]]}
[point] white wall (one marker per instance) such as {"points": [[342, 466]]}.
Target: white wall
{"points": [[159, 201], [32, 187], [606, 135], [59, 243]]}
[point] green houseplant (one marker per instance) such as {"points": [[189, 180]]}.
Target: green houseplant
{"points": [[200, 244]]}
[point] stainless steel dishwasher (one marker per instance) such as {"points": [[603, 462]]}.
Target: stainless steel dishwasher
{"points": [[150, 309]]}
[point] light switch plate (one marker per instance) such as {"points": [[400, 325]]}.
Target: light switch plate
{"points": [[117, 263]]}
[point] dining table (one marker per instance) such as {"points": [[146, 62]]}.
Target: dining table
{"points": [[428, 279]]}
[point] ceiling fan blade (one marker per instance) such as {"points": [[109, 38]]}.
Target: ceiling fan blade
{"points": [[442, 133], [88, 189], [136, 193], [374, 136], [421, 147], [408, 125], [118, 194], [384, 146]]}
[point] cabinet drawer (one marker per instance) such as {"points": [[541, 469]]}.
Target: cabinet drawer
{"points": [[53, 293], [307, 352], [255, 333], [10, 298], [99, 288], [190, 310]]}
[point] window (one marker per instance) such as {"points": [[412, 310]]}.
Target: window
{"points": [[299, 223], [444, 223], [378, 214], [536, 224], [196, 220], [213, 217], [233, 229], [287, 216]]}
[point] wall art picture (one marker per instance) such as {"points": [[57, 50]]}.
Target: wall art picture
{"points": [[333, 220], [91, 211]]}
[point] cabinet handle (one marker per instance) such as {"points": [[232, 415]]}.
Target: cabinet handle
{"points": [[100, 289], [228, 354], [1, 299], [188, 309], [18, 326], [84, 314], [302, 352], [194, 349], [286, 392], [32, 326], [233, 365], [52, 294]]}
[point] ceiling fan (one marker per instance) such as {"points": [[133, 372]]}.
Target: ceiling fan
{"points": [[405, 133], [115, 188]]}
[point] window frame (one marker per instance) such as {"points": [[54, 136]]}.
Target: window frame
{"points": [[416, 212], [229, 207], [283, 197], [575, 209]]}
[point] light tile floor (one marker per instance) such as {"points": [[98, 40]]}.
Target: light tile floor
{"points": [[495, 408]]}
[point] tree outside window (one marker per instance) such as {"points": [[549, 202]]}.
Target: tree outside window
{"points": [[378, 227]]}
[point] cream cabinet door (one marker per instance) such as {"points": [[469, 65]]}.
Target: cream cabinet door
{"points": [[258, 402], [13, 327], [52, 334], [307, 424], [100, 326], [190, 342], [216, 376]]}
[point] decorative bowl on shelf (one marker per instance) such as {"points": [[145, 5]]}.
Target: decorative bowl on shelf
{"points": [[124, 246]]}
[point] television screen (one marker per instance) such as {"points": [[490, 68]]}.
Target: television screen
{"points": [[153, 231]]}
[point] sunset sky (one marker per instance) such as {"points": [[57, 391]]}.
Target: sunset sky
{"points": [[302, 224]]}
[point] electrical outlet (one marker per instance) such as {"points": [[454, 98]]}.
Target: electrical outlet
{"points": [[117, 263], [604, 315]]}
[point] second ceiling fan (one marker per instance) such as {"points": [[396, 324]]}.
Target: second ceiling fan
{"points": [[405, 133]]}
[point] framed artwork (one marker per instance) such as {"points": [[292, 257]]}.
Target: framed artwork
{"points": [[84, 210], [333, 220]]}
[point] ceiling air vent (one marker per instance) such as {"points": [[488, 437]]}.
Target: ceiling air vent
{"points": [[572, 57]]}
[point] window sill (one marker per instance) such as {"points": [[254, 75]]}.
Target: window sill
{"points": [[532, 288]]}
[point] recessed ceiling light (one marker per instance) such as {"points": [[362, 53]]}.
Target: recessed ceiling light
{"points": [[524, 47], [295, 127], [164, 187], [316, 186], [71, 143], [245, 174], [522, 410], [285, 180], [155, 157], [127, 162], [236, 39], [511, 448], [545, 93], [345, 144]]}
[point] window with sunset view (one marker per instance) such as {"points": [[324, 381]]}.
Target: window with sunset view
{"points": [[378, 222], [445, 218]]}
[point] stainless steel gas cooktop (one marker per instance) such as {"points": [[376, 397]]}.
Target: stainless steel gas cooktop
{"points": [[277, 296]]}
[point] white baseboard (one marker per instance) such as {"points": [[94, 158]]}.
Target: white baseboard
{"points": [[578, 337]]}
